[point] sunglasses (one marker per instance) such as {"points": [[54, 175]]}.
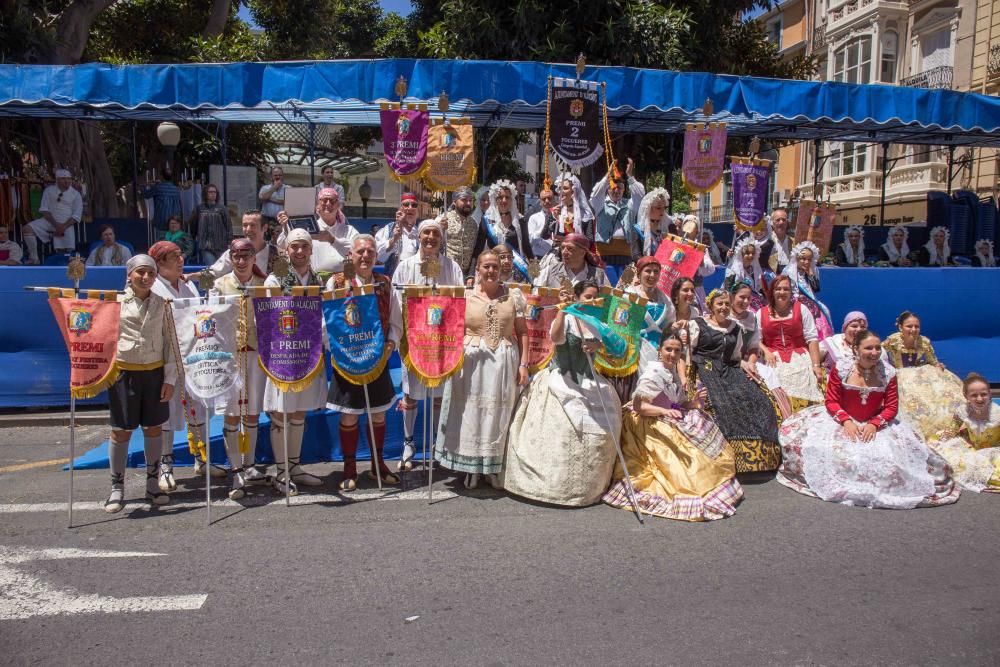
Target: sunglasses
{"points": [[409, 204]]}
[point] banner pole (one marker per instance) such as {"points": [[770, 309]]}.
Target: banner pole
{"points": [[614, 438], [425, 431], [208, 466], [72, 430], [371, 437], [430, 464]]}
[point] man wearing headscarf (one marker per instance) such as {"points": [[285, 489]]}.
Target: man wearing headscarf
{"points": [[243, 403], [577, 263], [288, 409], [431, 235], [465, 238], [333, 242], [61, 209], [616, 215], [398, 240]]}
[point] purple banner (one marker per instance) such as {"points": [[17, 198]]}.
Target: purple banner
{"points": [[704, 156], [404, 139], [749, 192], [290, 339]]}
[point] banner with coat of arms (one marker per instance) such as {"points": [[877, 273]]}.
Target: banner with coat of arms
{"points": [[814, 222], [678, 259], [451, 156], [625, 316], [289, 339], [750, 177], [432, 346], [89, 327], [354, 328], [574, 123], [206, 337], [538, 318], [704, 156], [404, 140]]}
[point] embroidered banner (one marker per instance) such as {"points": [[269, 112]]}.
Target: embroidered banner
{"points": [[704, 156], [814, 222], [289, 339], [206, 336], [574, 121], [625, 316], [750, 179], [594, 314], [451, 156], [357, 342], [404, 140], [433, 343], [677, 260], [538, 319], [89, 326]]}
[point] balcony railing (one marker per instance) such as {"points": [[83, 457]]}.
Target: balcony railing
{"points": [[936, 77], [819, 37], [993, 63]]}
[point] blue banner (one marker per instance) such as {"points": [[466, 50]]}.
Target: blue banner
{"points": [[357, 342]]}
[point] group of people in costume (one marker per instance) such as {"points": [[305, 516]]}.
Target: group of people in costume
{"points": [[750, 379]]}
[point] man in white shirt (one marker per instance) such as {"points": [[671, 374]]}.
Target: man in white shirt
{"points": [[540, 224], [328, 173], [397, 241], [272, 197], [10, 252], [333, 242], [61, 209], [253, 230]]}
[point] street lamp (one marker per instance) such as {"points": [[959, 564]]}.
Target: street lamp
{"points": [[366, 193], [169, 136]]}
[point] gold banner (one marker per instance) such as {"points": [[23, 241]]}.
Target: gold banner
{"points": [[451, 156]]}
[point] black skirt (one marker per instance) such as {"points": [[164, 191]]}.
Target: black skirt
{"points": [[345, 396]]}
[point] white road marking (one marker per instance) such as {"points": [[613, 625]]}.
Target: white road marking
{"points": [[24, 595], [249, 501]]}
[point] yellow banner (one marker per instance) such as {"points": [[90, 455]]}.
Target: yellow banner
{"points": [[451, 156]]}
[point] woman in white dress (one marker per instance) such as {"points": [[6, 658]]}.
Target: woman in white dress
{"points": [[569, 461], [972, 444], [479, 399]]}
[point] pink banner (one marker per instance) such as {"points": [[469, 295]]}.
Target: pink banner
{"points": [[433, 346], [677, 260], [538, 319], [704, 156], [404, 139]]}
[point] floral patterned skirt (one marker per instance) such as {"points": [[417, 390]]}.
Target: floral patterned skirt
{"points": [[928, 398]]}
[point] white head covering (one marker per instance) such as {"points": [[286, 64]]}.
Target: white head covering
{"points": [[477, 213], [755, 276], [645, 224], [437, 223], [139, 260], [984, 251], [691, 217], [932, 247], [298, 235], [493, 213], [581, 209], [792, 270], [63, 173], [713, 250], [890, 247], [849, 250]]}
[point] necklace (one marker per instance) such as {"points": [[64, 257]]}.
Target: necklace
{"points": [[867, 374]]}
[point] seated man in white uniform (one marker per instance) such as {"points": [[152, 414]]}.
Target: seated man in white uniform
{"points": [[61, 209]]}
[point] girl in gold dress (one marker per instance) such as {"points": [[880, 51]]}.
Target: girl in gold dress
{"points": [[972, 444], [680, 465]]}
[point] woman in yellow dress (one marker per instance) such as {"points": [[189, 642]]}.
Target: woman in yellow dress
{"points": [[929, 395], [679, 463], [971, 446]]}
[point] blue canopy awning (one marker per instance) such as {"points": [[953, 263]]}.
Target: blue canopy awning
{"points": [[496, 94]]}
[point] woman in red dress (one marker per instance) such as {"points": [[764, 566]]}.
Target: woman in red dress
{"points": [[853, 450]]}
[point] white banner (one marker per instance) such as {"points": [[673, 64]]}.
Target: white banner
{"points": [[207, 336]]}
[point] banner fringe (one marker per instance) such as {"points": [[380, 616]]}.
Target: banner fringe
{"points": [[95, 388], [297, 385], [366, 378]]}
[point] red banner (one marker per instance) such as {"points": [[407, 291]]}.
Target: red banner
{"points": [[90, 328], [678, 260], [539, 321], [814, 222], [433, 343]]}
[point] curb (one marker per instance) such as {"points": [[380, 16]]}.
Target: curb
{"points": [[53, 419]]}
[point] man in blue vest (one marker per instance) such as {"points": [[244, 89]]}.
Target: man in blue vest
{"points": [[617, 241]]}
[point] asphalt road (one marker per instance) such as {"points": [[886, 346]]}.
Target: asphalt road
{"points": [[480, 577]]}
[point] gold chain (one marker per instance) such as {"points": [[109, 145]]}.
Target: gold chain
{"points": [[548, 115], [608, 150]]}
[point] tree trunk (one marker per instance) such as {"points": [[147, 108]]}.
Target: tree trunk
{"points": [[216, 19], [72, 144]]}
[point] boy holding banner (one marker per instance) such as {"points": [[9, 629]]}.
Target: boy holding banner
{"points": [[243, 403], [141, 394], [364, 328], [288, 408]]}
